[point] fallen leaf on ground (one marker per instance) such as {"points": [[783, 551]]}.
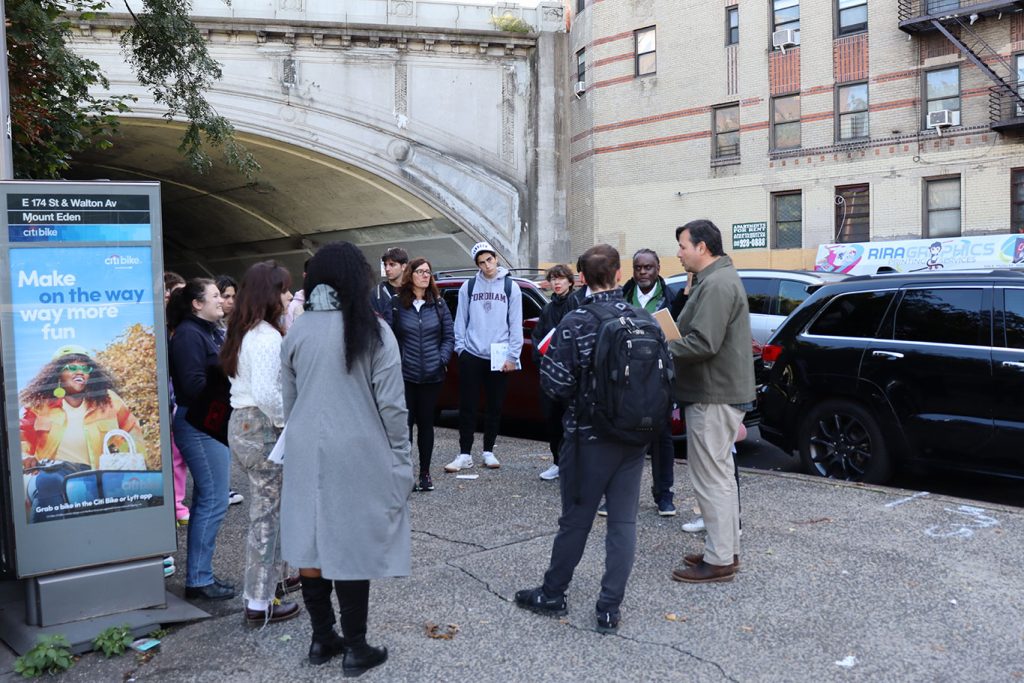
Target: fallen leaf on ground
{"points": [[747, 629], [285, 638], [434, 631], [816, 520], [671, 616]]}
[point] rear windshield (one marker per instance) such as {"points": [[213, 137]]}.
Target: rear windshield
{"points": [[853, 315]]}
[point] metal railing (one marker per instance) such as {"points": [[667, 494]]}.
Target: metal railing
{"points": [[1004, 105], [911, 9]]}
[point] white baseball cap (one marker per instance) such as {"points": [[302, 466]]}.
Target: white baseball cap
{"points": [[482, 246]]}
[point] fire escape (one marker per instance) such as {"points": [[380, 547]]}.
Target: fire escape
{"points": [[955, 19]]}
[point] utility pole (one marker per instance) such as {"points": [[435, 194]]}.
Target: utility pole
{"points": [[6, 160]]}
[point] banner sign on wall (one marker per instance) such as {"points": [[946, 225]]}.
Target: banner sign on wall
{"points": [[83, 349], [909, 256]]}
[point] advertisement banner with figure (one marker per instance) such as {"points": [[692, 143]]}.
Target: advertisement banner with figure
{"points": [[85, 347], [933, 254], [87, 460]]}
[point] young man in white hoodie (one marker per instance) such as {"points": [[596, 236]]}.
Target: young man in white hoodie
{"points": [[490, 312]]}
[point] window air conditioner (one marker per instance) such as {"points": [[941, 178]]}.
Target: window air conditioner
{"points": [[943, 118], [783, 39], [581, 87]]}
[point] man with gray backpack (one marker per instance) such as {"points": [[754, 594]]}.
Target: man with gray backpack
{"points": [[609, 362]]}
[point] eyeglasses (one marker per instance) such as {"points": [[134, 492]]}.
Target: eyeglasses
{"points": [[71, 367], [421, 271]]}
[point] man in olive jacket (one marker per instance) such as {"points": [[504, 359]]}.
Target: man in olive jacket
{"points": [[715, 382]]}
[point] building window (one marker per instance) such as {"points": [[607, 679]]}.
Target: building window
{"points": [[853, 213], [646, 52], [786, 122], [852, 111], [942, 91], [787, 220], [942, 207], [732, 25], [851, 17], [580, 6], [1017, 201], [786, 15], [581, 67], [726, 131]]}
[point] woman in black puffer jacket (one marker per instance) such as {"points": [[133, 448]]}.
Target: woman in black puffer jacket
{"points": [[562, 301], [423, 326]]}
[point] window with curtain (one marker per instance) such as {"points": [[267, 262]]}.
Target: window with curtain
{"points": [[942, 207], [646, 51], [726, 131], [786, 122], [852, 111]]}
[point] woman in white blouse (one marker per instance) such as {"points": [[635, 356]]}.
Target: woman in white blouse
{"points": [[251, 357]]}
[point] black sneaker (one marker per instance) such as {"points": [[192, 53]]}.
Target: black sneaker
{"points": [[607, 622], [426, 483], [535, 600]]}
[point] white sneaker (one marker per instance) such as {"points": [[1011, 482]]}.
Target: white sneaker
{"points": [[696, 526], [235, 498], [463, 461], [490, 461], [550, 473]]}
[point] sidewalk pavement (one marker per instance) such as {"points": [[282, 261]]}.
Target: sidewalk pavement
{"points": [[838, 583]]}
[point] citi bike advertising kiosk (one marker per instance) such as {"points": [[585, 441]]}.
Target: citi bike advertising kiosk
{"points": [[86, 497]]}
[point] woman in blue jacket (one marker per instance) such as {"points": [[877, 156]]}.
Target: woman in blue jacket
{"points": [[423, 326]]}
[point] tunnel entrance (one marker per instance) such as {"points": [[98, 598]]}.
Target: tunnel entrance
{"points": [[218, 223]]}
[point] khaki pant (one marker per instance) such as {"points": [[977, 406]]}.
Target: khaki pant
{"points": [[710, 432]]}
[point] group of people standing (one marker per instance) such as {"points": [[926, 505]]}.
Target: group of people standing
{"points": [[351, 355]]}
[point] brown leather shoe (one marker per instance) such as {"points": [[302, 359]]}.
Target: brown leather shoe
{"points": [[289, 584], [703, 573], [693, 559], [278, 611]]}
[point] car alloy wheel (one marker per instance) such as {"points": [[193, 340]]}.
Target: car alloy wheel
{"points": [[841, 440]]}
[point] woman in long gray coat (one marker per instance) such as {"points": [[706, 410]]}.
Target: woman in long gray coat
{"points": [[347, 470]]}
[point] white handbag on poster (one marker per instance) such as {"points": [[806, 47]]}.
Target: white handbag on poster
{"points": [[132, 460]]}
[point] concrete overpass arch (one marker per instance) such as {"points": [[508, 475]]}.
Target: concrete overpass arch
{"points": [[381, 135]]}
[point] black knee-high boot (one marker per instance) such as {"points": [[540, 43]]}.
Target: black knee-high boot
{"points": [[354, 603], [316, 594]]}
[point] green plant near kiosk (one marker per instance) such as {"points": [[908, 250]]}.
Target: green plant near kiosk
{"points": [[510, 23], [51, 655], [113, 641]]}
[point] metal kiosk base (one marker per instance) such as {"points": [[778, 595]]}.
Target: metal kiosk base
{"points": [[81, 604]]}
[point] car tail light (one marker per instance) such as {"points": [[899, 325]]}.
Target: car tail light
{"points": [[770, 353]]}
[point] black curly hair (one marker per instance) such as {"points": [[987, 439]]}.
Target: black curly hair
{"points": [[97, 390]]}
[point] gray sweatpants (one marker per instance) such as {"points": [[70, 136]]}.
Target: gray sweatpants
{"points": [[611, 471]]}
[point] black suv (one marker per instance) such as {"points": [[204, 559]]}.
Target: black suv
{"points": [[901, 369]]}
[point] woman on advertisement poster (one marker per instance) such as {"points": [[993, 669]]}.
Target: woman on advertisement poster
{"points": [[69, 410]]}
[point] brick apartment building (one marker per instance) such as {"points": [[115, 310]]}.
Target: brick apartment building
{"points": [[684, 109]]}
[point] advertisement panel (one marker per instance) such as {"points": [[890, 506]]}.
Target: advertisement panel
{"points": [[84, 375], [908, 256], [84, 345]]}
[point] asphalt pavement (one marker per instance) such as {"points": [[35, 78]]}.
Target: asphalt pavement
{"points": [[839, 582]]}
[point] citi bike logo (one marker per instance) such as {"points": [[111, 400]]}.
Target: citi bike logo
{"points": [[115, 260]]}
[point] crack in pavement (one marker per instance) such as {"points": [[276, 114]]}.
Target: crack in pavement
{"points": [[677, 648]]}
